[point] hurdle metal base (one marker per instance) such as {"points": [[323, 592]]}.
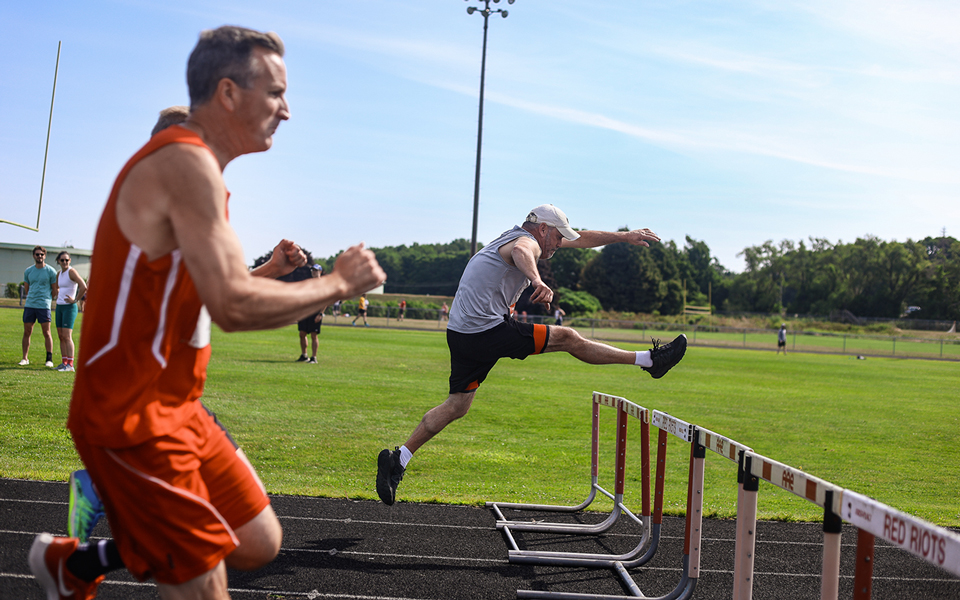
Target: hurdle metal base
{"points": [[649, 540], [575, 528], [683, 591]]}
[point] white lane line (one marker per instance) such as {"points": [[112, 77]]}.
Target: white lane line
{"points": [[316, 594], [880, 543], [501, 561], [363, 522], [311, 595]]}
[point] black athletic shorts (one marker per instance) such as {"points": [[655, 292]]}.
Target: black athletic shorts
{"points": [[308, 325], [472, 355]]}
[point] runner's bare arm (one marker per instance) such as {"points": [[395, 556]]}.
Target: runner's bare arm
{"points": [[592, 239], [286, 257], [525, 253], [178, 201]]}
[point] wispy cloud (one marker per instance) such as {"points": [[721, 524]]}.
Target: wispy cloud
{"points": [[928, 26], [714, 138]]}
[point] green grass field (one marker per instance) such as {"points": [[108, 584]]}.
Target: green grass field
{"points": [[883, 427]]}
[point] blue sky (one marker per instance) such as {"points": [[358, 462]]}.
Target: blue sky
{"points": [[733, 122]]}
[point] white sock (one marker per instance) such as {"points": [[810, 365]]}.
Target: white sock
{"points": [[643, 359], [405, 456]]}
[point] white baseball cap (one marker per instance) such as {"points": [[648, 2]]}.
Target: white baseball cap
{"points": [[554, 217]]}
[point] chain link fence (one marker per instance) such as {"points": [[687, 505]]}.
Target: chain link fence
{"points": [[937, 346]]}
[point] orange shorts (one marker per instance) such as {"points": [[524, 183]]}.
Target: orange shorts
{"points": [[174, 502]]}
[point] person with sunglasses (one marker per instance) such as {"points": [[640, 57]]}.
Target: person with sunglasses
{"points": [[71, 287], [41, 288]]}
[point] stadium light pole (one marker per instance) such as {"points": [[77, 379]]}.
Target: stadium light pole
{"points": [[486, 11]]}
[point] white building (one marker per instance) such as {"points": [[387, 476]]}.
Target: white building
{"points": [[15, 258]]}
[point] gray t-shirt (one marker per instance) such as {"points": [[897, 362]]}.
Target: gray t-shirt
{"points": [[488, 287]]}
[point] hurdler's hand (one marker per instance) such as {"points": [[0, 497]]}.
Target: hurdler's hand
{"points": [[542, 294], [640, 237], [359, 269]]}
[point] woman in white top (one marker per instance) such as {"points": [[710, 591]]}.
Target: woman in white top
{"points": [[72, 288]]}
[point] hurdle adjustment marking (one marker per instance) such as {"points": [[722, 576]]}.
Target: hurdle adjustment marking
{"points": [[672, 425]]}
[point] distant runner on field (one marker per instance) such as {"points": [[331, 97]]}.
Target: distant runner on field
{"points": [[481, 330]]}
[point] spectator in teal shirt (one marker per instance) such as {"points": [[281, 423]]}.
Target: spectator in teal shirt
{"points": [[41, 288]]}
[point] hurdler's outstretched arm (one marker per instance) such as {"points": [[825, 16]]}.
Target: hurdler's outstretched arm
{"points": [[592, 239]]}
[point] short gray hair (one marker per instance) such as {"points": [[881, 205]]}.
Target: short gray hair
{"points": [[173, 115], [225, 52]]}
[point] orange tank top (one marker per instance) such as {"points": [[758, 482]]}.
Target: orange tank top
{"points": [[145, 339]]}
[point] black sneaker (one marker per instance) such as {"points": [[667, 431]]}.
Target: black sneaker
{"points": [[303, 358], [666, 356], [389, 474]]}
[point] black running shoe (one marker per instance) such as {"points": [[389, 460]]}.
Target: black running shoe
{"points": [[303, 358], [665, 356], [389, 474]]}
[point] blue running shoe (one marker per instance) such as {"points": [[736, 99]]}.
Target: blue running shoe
{"points": [[86, 509]]}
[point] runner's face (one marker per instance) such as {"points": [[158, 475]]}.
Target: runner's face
{"points": [[64, 262], [38, 257], [551, 242], [264, 104]]}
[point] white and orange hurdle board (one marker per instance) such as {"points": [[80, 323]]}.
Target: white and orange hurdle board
{"points": [[796, 481], [930, 542], [606, 399], [721, 445]]}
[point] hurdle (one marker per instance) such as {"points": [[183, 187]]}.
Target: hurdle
{"points": [[924, 540], [690, 561], [746, 505], [932, 543], [647, 546], [822, 493], [599, 399]]}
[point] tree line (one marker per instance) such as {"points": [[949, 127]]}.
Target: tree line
{"points": [[869, 277]]}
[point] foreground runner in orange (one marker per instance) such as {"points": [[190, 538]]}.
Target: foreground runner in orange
{"points": [[182, 500]]}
